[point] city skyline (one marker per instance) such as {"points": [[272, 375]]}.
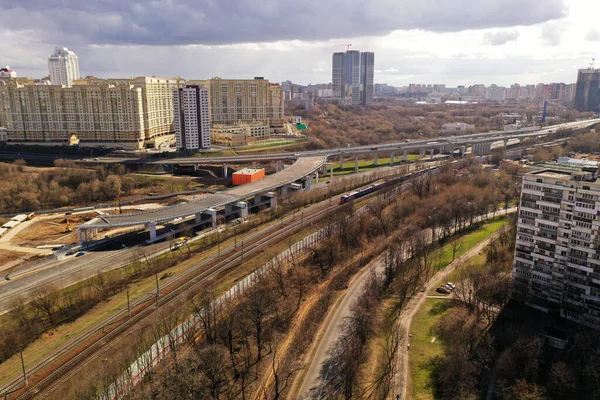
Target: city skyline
{"points": [[491, 44]]}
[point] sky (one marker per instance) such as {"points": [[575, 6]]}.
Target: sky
{"points": [[456, 42]]}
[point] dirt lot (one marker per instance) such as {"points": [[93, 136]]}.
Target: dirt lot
{"points": [[51, 231], [9, 256]]}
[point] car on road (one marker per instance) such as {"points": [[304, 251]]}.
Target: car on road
{"points": [[328, 182], [81, 253]]}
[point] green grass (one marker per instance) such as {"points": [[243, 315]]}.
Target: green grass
{"points": [[423, 353], [469, 240]]}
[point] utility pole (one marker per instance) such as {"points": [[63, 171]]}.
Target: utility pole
{"points": [[128, 305], [302, 220], [23, 366], [242, 250], [157, 289], [235, 244]]}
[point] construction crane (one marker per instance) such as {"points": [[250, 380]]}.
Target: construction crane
{"points": [[592, 63]]}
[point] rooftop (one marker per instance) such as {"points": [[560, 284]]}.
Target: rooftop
{"points": [[248, 171]]}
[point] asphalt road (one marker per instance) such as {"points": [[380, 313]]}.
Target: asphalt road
{"points": [[62, 273], [313, 381]]}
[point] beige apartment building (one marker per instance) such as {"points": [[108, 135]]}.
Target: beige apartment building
{"points": [[129, 113], [243, 100]]}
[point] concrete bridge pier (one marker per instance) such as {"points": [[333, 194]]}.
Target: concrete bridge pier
{"points": [[375, 160], [341, 162], [273, 199], [151, 227], [308, 182], [225, 170], [463, 150], [279, 165], [391, 158], [421, 153], [431, 154], [355, 163], [505, 142], [405, 156]]}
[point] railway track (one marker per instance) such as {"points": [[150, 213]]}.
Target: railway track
{"points": [[176, 288]]}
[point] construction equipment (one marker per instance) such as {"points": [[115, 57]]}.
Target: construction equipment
{"points": [[68, 228]]}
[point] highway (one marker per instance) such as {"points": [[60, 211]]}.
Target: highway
{"points": [[304, 166]]}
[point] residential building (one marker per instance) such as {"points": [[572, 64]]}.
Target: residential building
{"points": [[557, 262], [3, 135], [495, 93], [243, 100], [587, 92], [191, 119], [6, 72], [352, 84], [63, 66], [338, 77], [455, 127], [568, 95], [128, 113], [367, 65]]}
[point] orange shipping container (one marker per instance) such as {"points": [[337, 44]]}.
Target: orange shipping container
{"points": [[247, 175]]}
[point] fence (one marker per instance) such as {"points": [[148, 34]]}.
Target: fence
{"points": [[136, 371]]}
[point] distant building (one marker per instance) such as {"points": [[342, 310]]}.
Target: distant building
{"points": [[494, 93], [6, 72], [557, 263], [63, 66], [3, 135], [191, 119], [367, 69], [352, 77], [587, 92], [455, 127]]}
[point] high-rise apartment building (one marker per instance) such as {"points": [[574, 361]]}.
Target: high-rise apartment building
{"points": [[352, 77], [367, 65], [338, 74], [128, 113], [243, 100], [587, 92], [63, 66], [352, 83], [191, 118], [557, 256]]}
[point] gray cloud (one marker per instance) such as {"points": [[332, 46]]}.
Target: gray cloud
{"points": [[212, 22], [501, 37], [593, 36]]}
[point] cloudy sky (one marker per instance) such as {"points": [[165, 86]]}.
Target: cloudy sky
{"points": [[415, 41]]}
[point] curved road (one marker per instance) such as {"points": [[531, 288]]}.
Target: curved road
{"points": [[302, 167]]}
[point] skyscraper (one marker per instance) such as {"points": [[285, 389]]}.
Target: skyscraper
{"points": [[367, 64], [191, 118], [352, 77], [587, 92], [63, 66], [338, 77]]}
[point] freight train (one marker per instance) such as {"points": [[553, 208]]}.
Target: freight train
{"points": [[373, 188]]}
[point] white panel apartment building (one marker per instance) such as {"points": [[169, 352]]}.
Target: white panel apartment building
{"points": [[63, 66], [191, 117], [557, 257]]}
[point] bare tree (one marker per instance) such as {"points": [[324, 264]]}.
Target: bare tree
{"points": [[45, 300]]}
